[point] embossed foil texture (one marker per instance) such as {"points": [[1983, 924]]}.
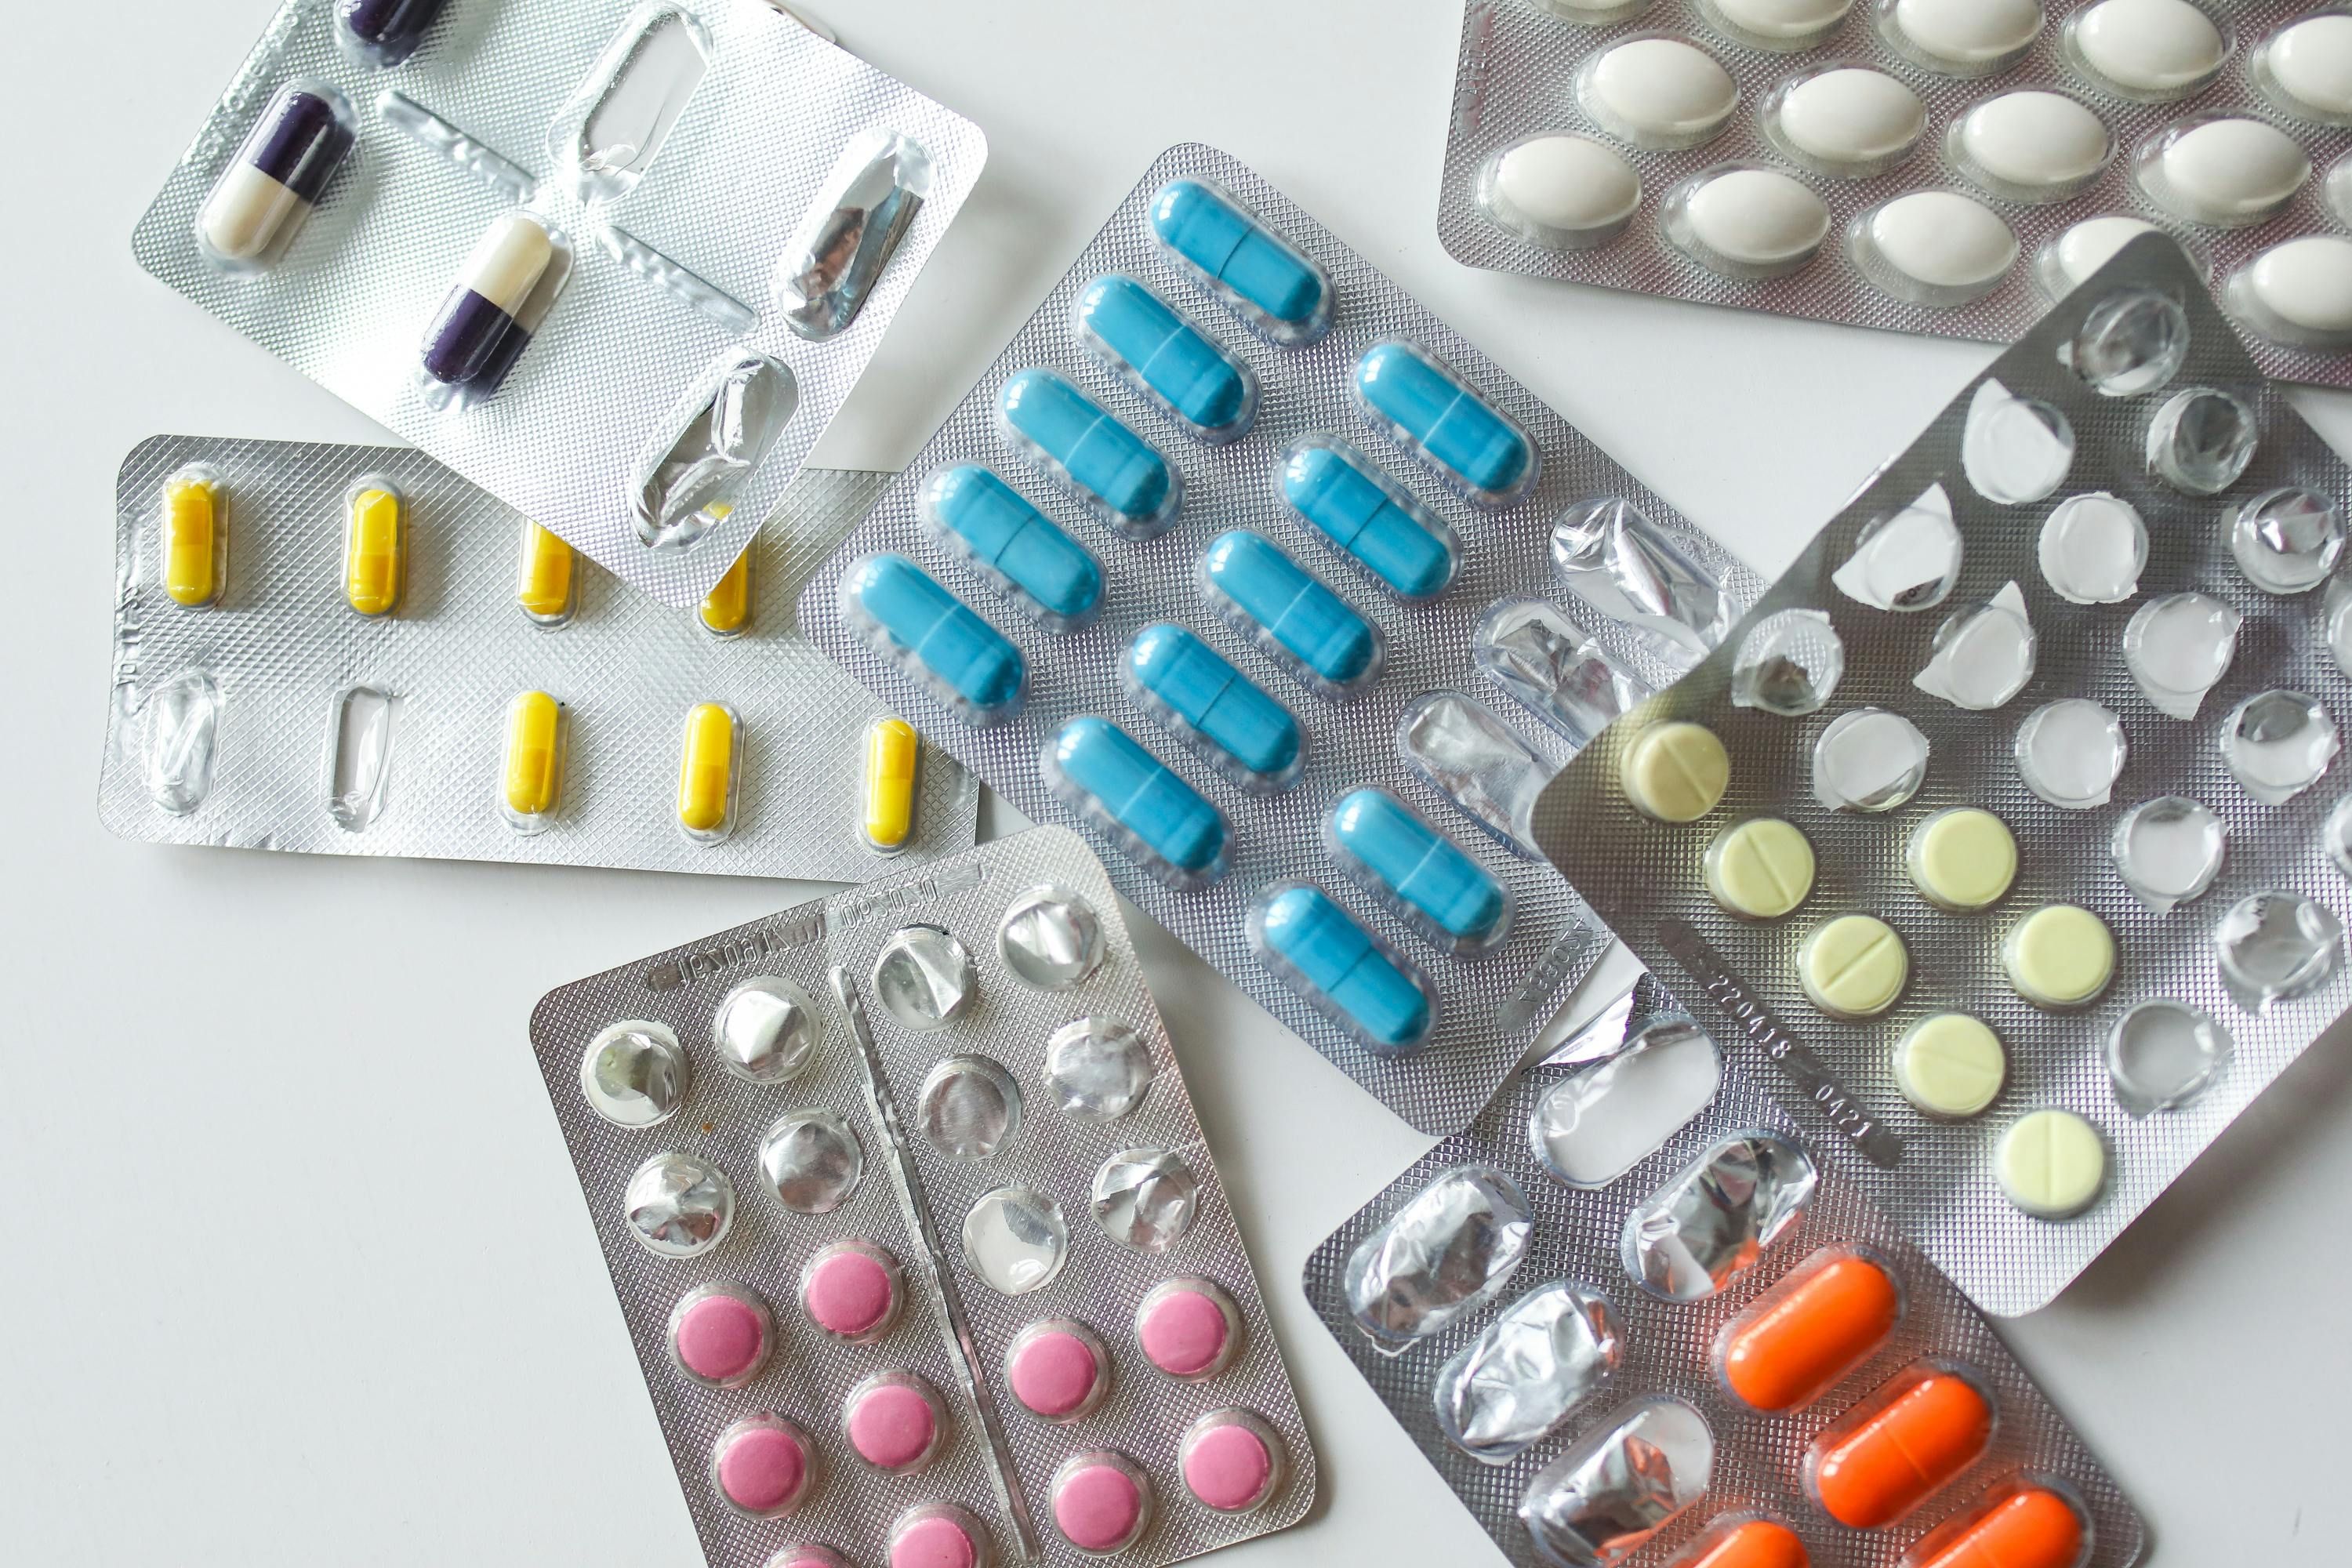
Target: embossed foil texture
{"points": [[229, 723], [2252, 948], [923, 1178], [1662, 1507], [1515, 77], [676, 155], [1490, 1006]]}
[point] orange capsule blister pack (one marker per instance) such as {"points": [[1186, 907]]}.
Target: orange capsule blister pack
{"points": [[1711, 1353]]}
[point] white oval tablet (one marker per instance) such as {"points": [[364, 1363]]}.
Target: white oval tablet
{"points": [[2149, 45], [2311, 63], [1663, 89], [2093, 243], [1852, 116], [2033, 140], [1571, 183], [2229, 171], [1943, 239], [1758, 216], [1784, 18], [2306, 283], [1967, 33]]}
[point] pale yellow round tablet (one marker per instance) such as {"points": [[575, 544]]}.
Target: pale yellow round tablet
{"points": [[1761, 868], [1961, 858], [2051, 1165], [2059, 956], [1854, 966], [1950, 1064], [1675, 772]]}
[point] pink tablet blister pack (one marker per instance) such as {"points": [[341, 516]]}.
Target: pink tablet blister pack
{"points": [[917, 1236]]}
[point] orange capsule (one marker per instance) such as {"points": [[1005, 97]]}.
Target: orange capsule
{"points": [[2030, 1528], [1812, 1329], [1918, 1431], [1747, 1544]]}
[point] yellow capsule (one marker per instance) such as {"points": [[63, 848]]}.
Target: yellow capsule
{"points": [[195, 536], [543, 577], [889, 808], [375, 547], [728, 608], [534, 762], [707, 767]]}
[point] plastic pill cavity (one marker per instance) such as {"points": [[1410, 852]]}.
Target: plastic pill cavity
{"points": [[1511, 1387], [1984, 653], [1777, 24], [194, 536], [1125, 792], [1909, 1440], [495, 305], [1935, 249], [1674, 771], [532, 773], [1096, 1069], [1846, 121], [1748, 221], [924, 978], [763, 1465], [1821, 1321], [1567, 193], [1058, 1370], [939, 1535], [2285, 541], [2278, 744], [1908, 559], [546, 576], [1261, 277], [2274, 946], [1853, 967], [2133, 341], [2061, 955], [2308, 67], [852, 1290], [1015, 1241], [2093, 548], [2051, 1163], [721, 1334], [1950, 1065], [1761, 869], [1277, 603], [1110, 470], [1145, 1198], [375, 545], [1051, 938], [2014, 449], [1606, 1117], [634, 1074], [2177, 647], [766, 1031], [969, 1107], [1660, 93], [2226, 172], [1961, 858], [1166, 359], [2298, 292], [1790, 663], [1347, 973], [1960, 38], [905, 616], [852, 227], [386, 32], [2083, 248], [679, 1205], [1189, 1329], [1231, 1461], [2146, 49], [258, 203], [1196, 695], [2070, 751], [726, 610], [2029, 145], [2200, 440], [1102, 1502], [1427, 409], [709, 765], [1622, 566], [812, 1161], [1021, 552], [1417, 872], [2169, 850], [1626, 1478], [895, 1422], [2162, 1055], [1447, 1251], [1711, 1223], [1868, 760], [2023, 1527], [1344, 496]]}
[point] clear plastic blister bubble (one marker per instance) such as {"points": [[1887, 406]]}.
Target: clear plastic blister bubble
{"points": [[1906, 559], [1554, 667], [2129, 341], [2285, 541], [1788, 664], [1868, 760], [1983, 655], [2169, 849], [2071, 751], [2014, 449], [2177, 647]]}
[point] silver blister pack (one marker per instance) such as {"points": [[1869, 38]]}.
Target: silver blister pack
{"points": [[1496, 664], [271, 714], [2075, 789], [1695, 1344], [959, 1070], [617, 264], [1826, 112]]}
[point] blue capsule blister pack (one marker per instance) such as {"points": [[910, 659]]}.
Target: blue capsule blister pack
{"points": [[1203, 566]]}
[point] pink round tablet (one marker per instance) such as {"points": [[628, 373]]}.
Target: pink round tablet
{"points": [[1055, 1371], [851, 1290], [1099, 1501], [1186, 1327], [937, 1535], [1228, 1461], [808, 1557], [720, 1334], [894, 1422], [761, 1466]]}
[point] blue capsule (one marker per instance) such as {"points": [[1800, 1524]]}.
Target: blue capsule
{"points": [[1320, 951], [1013, 545], [1212, 707], [1472, 444], [1351, 502], [1113, 471], [1167, 359], [1260, 276], [1161, 822], [1300, 623], [1417, 871], [909, 619]]}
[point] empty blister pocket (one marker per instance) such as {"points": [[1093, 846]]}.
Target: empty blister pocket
{"points": [[609, 132]]}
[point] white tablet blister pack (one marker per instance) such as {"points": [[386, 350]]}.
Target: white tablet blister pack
{"points": [[1945, 166], [618, 265], [918, 1240], [351, 650]]}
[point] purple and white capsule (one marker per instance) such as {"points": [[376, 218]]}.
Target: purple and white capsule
{"points": [[288, 156], [488, 305], [387, 31]]}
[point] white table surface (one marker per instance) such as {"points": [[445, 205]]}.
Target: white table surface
{"points": [[295, 1268]]}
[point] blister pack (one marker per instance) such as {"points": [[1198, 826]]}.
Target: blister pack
{"points": [[2005, 824], [916, 1235], [1630, 1318], [1945, 166], [617, 264], [351, 651], [1236, 558]]}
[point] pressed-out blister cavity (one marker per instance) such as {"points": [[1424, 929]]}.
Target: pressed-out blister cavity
{"points": [[851, 228], [1343, 602], [1514, 1383], [852, 1320]]}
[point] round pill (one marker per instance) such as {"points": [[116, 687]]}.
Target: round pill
{"points": [[1758, 218], [1826, 1318], [1961, 858], [1761, 868], [1189, 1329], [1675, 772], [2311, 63], [894, 1422], [808, 1556], [1854, 966], [2306, 283], [1910, 1438], [2032, 145], [2030, 1528], [2155, 46], [1101, 1501], [2093, 243], [1783, 21], [939, 1535], [1966, 35], [1949, 1064], [2051, 1163], [2061, 955], [1942, 240], [1231, 1461], [1852, 117], [1660, 92], [1557, 189], [1058, 1369], [2229, 171], [763, 1466], [850, 1291], [1748, 1543], [721, 1334]]}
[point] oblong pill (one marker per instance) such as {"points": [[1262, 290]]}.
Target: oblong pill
{"points": [[1965, 38], [1935, 247], [2029, 145], [906, 616], [1849, 120], [194, 543], [1317, 949], [1300, 622], [1166, 358], [2299, 291], [1199, 697], [1260, 276], [726, 610], [1016, 547], [1805, 1333], [486, 304], [709, 762], [1659, 93], [1430, 412], [1906, 1442], [387, 31], [375, 546], [1343, 495], [1569, 193], [546, 581], [1747, 1543], [1747, 222], [2146, 48], [886, 810], [1104, 775], [1114, 471], [2308, 65], [2229, 171], [261, 199], [532, 773], [2031, 1527], [1430, 884]]}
